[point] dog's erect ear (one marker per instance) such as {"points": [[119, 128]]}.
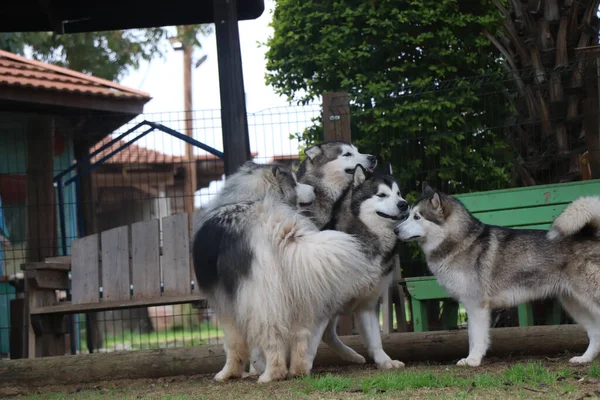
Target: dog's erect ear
{"points": [[427, 190], [360, 176], [248, 166], [276, 171], [436, 202], [313, 151]]}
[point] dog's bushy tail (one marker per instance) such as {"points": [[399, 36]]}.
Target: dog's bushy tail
{"points": [[321, 268], [583, 214]]}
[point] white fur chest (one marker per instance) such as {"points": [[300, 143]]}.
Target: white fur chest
{"points": [[455, 281]]}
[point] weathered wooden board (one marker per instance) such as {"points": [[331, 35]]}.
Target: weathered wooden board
{"points": [[145, 259], [115, 264], [85, 273], [175, 262]]}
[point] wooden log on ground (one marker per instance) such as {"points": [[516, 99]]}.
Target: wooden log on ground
{"points": [[208, 359]]}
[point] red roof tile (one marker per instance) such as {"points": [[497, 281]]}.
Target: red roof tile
{"points": [[23, 72]]}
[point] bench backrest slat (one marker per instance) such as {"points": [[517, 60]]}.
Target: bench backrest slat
{"points": [[145, 259], [529, 207], [527, 197], [175, 260], [115, 264], [85, 279]]}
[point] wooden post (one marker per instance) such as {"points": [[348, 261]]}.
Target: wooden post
{"points": [[88, 199], [234, 120], [190, 170], [336, 126], [41, 208], [336, 117]]}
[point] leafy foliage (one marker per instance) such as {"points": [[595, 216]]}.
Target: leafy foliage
{"points": [[395, 58], [107, 55]]}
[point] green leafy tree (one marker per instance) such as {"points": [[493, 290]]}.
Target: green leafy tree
{"points": [[395, 59], [109, 55]]}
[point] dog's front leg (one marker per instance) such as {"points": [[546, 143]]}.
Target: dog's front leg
{"points": [[479, 333], [370, 333]]}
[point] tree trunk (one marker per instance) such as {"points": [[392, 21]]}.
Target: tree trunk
{"points": [[559, 111]]}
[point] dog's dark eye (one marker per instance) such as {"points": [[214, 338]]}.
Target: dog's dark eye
{"points": [[417, 217], [381, 195], [398, 194], [347, 154]]}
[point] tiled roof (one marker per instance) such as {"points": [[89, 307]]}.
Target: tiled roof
{"points": [[22, 72], [135, 154]]}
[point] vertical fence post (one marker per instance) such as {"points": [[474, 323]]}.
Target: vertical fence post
{"points": [[336, 116], [336, 126], [234, 119]]}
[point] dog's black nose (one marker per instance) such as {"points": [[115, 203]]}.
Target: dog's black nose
{"points": [[402, 206], [396, 230], [372, 159]]}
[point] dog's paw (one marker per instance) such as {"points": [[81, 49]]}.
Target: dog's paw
{"points": [[580, 360], [470, 362], [298, 373], [391, 364], [224, 376], [356, 358], [266, 378], [253, 371], [277, 374]]}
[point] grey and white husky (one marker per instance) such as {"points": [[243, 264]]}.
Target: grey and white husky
{"points": [[369, 210], [269, 273], [329, 167], [487, 267]]}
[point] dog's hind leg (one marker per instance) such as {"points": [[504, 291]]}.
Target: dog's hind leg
{"points": [[313, 343], [333, 340], [275, 353], [299, 353], [370, 333], [479, 334], [586, 316], [236, 349]]}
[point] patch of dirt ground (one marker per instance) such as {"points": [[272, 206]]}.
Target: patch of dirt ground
{"points": [[541, 377]]}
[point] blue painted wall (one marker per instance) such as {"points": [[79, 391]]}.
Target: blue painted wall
{"points": [[12, 161]]}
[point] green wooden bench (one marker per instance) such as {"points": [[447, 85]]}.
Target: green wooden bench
{"points": [[525, 208]]}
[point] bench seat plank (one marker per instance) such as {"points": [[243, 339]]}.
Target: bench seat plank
{"points": [[69, 308]]}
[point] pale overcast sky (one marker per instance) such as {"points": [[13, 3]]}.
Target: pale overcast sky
{"points": [[271, 119]]}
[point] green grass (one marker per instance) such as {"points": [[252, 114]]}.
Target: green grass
{"points": [[531, 379], [594, 371], [530, 373], [177, 337]]}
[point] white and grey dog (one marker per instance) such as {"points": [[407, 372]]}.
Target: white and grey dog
{"points": [[328, 167], [270, 274], [369, 210], [487, 267]]}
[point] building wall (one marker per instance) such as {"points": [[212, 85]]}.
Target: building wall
{"points": [[13, 147]]}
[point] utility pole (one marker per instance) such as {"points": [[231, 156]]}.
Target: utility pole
{"points": [[190, 161], [190, 180]]}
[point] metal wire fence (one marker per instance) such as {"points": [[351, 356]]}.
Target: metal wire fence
{"points": [[481, 133]]}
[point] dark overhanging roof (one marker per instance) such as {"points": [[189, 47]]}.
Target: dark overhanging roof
{"points": [[73, 16]]}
